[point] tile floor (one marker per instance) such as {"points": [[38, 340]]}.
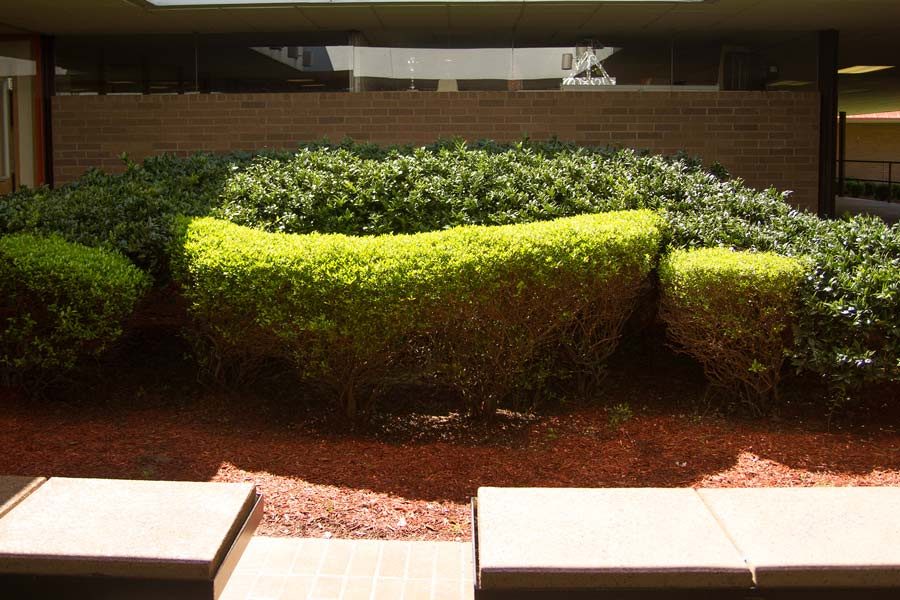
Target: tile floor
{"points": [[316, 569]]}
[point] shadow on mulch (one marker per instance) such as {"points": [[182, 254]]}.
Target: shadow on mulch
{"points": [[153, 420]]}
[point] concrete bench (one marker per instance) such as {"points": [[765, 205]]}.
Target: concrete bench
{"points": [[101, 538], [685, 543]]}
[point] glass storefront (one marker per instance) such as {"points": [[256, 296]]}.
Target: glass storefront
{"points": [[184, 64]]}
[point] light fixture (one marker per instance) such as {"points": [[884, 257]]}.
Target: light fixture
{"points": [[860, 69], [240, 3], [789, 83], [300, 80]]}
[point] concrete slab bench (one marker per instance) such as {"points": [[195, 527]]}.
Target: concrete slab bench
{"points": [[686, 543], [815, 542], [101, 538], [572, 543]]}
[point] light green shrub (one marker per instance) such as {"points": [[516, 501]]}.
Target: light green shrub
{"points": [[734, 312], [475, 306], [60, 302]]}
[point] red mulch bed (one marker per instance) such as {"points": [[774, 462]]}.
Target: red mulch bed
{"points": [[410, 476]]}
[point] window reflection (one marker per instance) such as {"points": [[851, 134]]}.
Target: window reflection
{"points": [[347, 61], [239, 63]]}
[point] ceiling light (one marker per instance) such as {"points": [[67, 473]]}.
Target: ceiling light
{"points": [[789, 83], [860, 69], [238, 3]]}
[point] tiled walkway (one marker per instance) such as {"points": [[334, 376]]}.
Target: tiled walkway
{"points": [[314, 569]]}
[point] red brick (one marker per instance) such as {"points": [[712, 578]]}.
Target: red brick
{"points": [[762, 137]]}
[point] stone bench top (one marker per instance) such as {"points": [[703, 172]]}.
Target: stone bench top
{"points": [[769, 538], [119, 528], [546, 538], [814, 537]]}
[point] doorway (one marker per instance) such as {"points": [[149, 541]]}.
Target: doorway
{"points": [[7, 137], [20, 146]]}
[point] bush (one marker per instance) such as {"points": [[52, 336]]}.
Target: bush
{"points": [[131, 213], [362, 189], [474, 306], [426, 189], [60, 302], [853, 188], [848, 326], [734, 312], [850, 300], [883, 192]]}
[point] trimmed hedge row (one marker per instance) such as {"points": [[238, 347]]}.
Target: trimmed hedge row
{"points": [[735, 313], [850, 301], [849, 306], [477, 307], [60, 302], [872, 189]]}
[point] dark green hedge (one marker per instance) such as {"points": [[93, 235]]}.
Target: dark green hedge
{"points": [[60, 302], [476, 307], [131, 213]]}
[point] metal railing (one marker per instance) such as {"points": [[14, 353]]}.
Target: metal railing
{"points": [[865, 169], [869, 171]]}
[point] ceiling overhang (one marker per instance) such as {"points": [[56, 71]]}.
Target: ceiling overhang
{"points": [[868, 31]]}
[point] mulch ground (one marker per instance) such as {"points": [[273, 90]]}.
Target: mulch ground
{"points": [[410, 476]]}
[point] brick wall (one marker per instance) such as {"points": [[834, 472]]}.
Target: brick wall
{"points": [[768, 138], [873, 141]]}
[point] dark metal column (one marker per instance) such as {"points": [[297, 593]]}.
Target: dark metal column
{"points": [[828, 88], [842, 152], [48, 85]]}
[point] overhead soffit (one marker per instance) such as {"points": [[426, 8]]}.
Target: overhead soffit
{"points": [[96, 16]]}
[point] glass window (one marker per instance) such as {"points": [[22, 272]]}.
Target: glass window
{"points": [[776, 61], [139, 64], [389, 60], [275, 63], [696, 63]]}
